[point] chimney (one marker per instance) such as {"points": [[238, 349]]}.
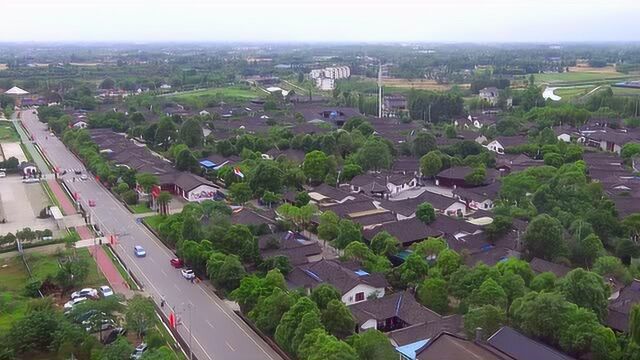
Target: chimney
{"points": [[479, 335]]}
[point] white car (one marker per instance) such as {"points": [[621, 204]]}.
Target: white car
{"points": [[188, 274], [105, 291], [84, 177], [73, 302], [139, 351], [86, 292], [3, 174], [30, 180]]}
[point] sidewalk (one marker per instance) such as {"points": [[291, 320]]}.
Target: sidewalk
{"points": [[84, 232], [65, 203], [118, 284]]}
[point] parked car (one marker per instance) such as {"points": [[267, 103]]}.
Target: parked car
{"points": [[188, 274], [30, 180], [176, 263], [84, 177], [86, 292], [139, 251], [105, 291], [3, 174], [137, 353], [77, 172], [113, 335], [91, 326], [73, 302], [78, 318]]}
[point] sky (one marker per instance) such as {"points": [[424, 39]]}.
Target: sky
{"points": [[547, 21]]}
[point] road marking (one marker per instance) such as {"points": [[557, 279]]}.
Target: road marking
{"points": [[153, 261], [229, 345], [163, 273], [176, 286], [210, 324]]}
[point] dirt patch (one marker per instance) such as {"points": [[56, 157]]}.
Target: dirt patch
{"points": [[3, 67], [421, 84], [603, 70]]}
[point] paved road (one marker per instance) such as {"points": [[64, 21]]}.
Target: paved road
{"points": [[217, 332]]}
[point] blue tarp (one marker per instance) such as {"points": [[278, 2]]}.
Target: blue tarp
{"points": [[409, 351], [207, 164]]}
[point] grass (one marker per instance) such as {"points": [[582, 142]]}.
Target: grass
{"points": [[12, 303], [54, 200], [26, 152], [625, 91], [572, 78], [13, 276], [139, 208], [154, 221], [8, 133], [204, 97], [44, 266], [121, 270]]}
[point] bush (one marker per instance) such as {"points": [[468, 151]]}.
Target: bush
{"points": [[31, 287], [130, 197], [121, 188]]}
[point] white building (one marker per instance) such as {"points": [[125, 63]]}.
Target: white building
{"points": [[325, 78]]}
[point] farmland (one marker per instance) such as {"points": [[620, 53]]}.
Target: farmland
{"points": [[211, 97], [578, 78]]}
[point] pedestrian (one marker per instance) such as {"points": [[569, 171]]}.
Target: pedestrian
{"points": [[192, 280], [162, 303]]}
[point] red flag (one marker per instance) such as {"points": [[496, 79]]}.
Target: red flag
{"points": [[172, 320]]}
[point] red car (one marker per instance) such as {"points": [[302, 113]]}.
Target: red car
{"points": [[92, 203], [176, 263]]}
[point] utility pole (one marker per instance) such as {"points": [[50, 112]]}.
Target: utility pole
{"points": [[190, 333], [380, 90]]}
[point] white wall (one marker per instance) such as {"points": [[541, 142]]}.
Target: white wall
{"points": [[370, 324], [564, 137], [496, 147], [349, 298], [201, 193], [453, 208]]}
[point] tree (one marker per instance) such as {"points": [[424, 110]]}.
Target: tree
{"points": [[586, 289], [588, 249], [33, 332], [384, 244], [634, 323], [120, 349], [270, 198], [191, 228], [518, 267], [318, 345], [413, 270], [476, 177], [500, 225], [165, 133], [429, 248], [266, 176], [487, 317], [323, 294], [374, 155], [191, 133], [140, 314], [161, 353], [337, 319], [269, 310], [286, 329], [423, 143], [431, 164], [328, 227], [432, 293], [348, 231], [448, 261], [302, 198], [185, 161], [72, 273], [426, 213], [226, 271], [315, 166], [545, 281], [107, 83], [309, 322], [373, 345], [630, 150], [240, 192], [252, 288], [543, 238], [541, 315], [611, 266], [163, 202], [489, 293], [279, 262], [513, 285]]}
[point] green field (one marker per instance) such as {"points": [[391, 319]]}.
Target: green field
{"points": [[154, 221], [574, 78], [625, 91], [140, 208], [211, 97], [44, 266], [8, 133], [571, 93]]}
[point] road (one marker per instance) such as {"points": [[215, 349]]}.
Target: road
{"points": [[218, 333]]}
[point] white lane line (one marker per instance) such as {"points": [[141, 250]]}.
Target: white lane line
{"points": [[153, 261], [163, 273], [176, 286], [158, 292], [229, 345], [235, 322], [210, 324]]}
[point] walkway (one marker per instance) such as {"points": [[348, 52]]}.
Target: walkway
{"points": [[117, 282], [84, 232], [26, 140], [63, 199]]}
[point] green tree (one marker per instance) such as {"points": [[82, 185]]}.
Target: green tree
{"points": [[448, 261], [33, 332], [518, 267], [286, 329], [120, 349], [586, 289], [240, 192], [489, 293], [385, 244], [72, 273], [185, 161], [487, 317], [269, 310], [589, 249], [513, 285], [107, 83], [426, 213], [191, 133], [140, 315], [413, 270], [337, 319], [191, 228], [630, 150], [270, 198], [545, 281], [163, 202], [372, 345], [541, 315], [431, 164], [252, 288], [634, 323], [432, 293], [161, 353], [226, 271], [543, 238], [374, 155], [348, 232], [323, 294], [165, 133], [309, 322], [423, 143], [476, 177], [315, 166], [266, 176], [429, 248]]}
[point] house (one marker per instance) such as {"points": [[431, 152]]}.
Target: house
{"points": [[406, 209], [480, 197], [471, 136], [217, 161], [294, 155], [354, 284], [503, 142], [540, 265], [490, 95], [333, 115], [79, 123], [252, 218], [393, 312], [295, 246], [610, 140], [326, 195], [508, 163], [394, 130], [477, 121], [454, 177], [447, 346], [407, 165], [193, 187], [563, 133], [394, 105], [520, 347], [620, 308], [384, 184], [406, 231]]}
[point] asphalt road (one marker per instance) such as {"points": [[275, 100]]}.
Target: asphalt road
{"points": [[218, 333]]}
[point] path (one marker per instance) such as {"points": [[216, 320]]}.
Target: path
{"points": [[117, 282], [26, 140], [84, 232], [63, 199]]}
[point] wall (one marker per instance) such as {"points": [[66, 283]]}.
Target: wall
{"points": [[369, 324], [349, 298], [201, 193]]}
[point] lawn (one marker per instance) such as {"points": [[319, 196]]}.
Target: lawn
{"points": [[140, 208], [206, 97], [12, 303], [625, 91], [125, 275], [44, 266], [568, 78], [52, 198], [154, 221], [8, 133], [570, 93]]}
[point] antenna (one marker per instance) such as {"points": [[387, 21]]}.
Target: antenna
{"points": [[380, 90]]}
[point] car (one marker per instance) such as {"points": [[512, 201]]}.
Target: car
{"points": [[188, 274], [176, 263], [78, 318], [139, 251], [73, 302], [139, 351], [3, 174], [92, 203], [113, 335], [84, 177], [77, 172], [30, 180], [86, 292], [105, 291]]}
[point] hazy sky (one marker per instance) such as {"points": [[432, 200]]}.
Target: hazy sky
{"points": [[327, 20]]}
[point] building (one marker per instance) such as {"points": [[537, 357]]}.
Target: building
{"points": [[478, 198], [295, 246], [503, 142], [454, 177], [394, 106], [490, 95], [354, 284], [520, 347], [17, 93], [447, 346], [620, 307], [325, 78], [540, 265]]}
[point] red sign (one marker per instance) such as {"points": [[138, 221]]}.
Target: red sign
{"points": [[172, 320], [155, 191]]}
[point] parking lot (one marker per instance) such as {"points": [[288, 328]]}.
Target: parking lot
{"points": [[20, 205]]}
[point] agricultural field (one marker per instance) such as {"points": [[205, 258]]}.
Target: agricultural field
{"points": [[208, 97], [618, 91], [577, 78], [8, 133], [395, 86]]}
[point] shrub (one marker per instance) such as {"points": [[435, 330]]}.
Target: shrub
{"points": [[130, 197]]}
